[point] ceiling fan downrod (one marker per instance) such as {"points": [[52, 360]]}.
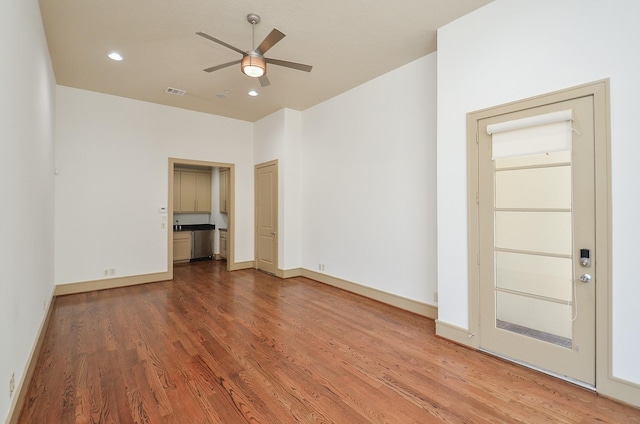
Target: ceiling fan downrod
{"points": [[253, 20], [253, 63]]}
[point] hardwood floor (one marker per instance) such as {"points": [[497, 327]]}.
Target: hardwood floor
{"points": [[244, 347]]}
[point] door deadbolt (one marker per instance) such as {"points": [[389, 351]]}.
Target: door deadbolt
{"points": [[585, 257]]}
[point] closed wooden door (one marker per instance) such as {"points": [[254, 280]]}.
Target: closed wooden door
{"points": [[267, 217]]}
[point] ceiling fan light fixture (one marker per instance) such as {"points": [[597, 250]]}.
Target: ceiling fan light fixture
{"points": [[253, 65]]}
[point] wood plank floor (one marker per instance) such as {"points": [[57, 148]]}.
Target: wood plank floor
{"points": [[244, 347]]}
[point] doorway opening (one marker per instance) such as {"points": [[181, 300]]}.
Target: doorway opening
{"points": [[215, 203]]}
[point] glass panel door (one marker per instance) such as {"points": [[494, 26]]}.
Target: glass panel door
{"points": [[533, 246], [536, 210]]}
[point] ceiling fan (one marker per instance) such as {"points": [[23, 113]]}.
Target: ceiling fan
{"points": [[253, 62]]}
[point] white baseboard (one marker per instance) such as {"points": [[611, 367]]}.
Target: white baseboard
{"points": [[22, 386], [620, 390], [411, 305], [456, 334], [110, 283], [242, 265], [289, 273]]}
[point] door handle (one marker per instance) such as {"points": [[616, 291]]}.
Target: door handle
{"points": [[273, 233], [585, 278]]}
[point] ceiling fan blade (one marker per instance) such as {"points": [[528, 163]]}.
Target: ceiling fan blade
{"points": [[215, 40], [224, 65], [264, 81], [287, 64], [271, 40]]}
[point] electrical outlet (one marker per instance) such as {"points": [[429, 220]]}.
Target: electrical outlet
{"points": [[112, 271], [320, 267], [106, 272], [12, 384]]}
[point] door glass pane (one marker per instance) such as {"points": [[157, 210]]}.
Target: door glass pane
{"points": [[533, 246], [548, 321], [534, 188], [533, 274], [543, 232]]}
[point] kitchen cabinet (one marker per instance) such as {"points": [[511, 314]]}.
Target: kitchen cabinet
{"points": [[224, 245], [224, 190], [203, 191], [192, 191], [176, 191], [181, 246]]}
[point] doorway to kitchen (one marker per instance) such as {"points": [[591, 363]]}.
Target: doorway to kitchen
{"points": [[209, 193]]}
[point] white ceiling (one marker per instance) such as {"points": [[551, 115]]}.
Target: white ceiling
{"points": [[348, 42]]}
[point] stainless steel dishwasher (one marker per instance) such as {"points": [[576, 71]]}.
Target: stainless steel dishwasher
{"points": [[201, 244]]}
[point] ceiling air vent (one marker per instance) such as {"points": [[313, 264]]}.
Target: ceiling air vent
{"points": [[176, 91]]}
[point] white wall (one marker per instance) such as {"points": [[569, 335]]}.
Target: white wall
{"points": [[112, 159], [368, 192], [514, 49], [292, 186], [26, 184], [277, 136]]}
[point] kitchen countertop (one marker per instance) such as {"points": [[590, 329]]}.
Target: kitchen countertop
{"points": [[194, 227]]}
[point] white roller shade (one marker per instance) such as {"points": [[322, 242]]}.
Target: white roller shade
{"points": [[538, 134]]}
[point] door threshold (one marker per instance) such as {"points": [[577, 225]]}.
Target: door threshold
{"points": [[533, 367]]}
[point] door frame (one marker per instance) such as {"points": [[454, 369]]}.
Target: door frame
{"points": [[173, 162], [600, 92], [255, 208]]}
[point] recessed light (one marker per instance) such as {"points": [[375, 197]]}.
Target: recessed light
{"points": [[253, 93], [115, 56]]}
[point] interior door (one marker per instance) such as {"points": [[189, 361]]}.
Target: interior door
{"points": [[536, 228], [267, 217]]}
